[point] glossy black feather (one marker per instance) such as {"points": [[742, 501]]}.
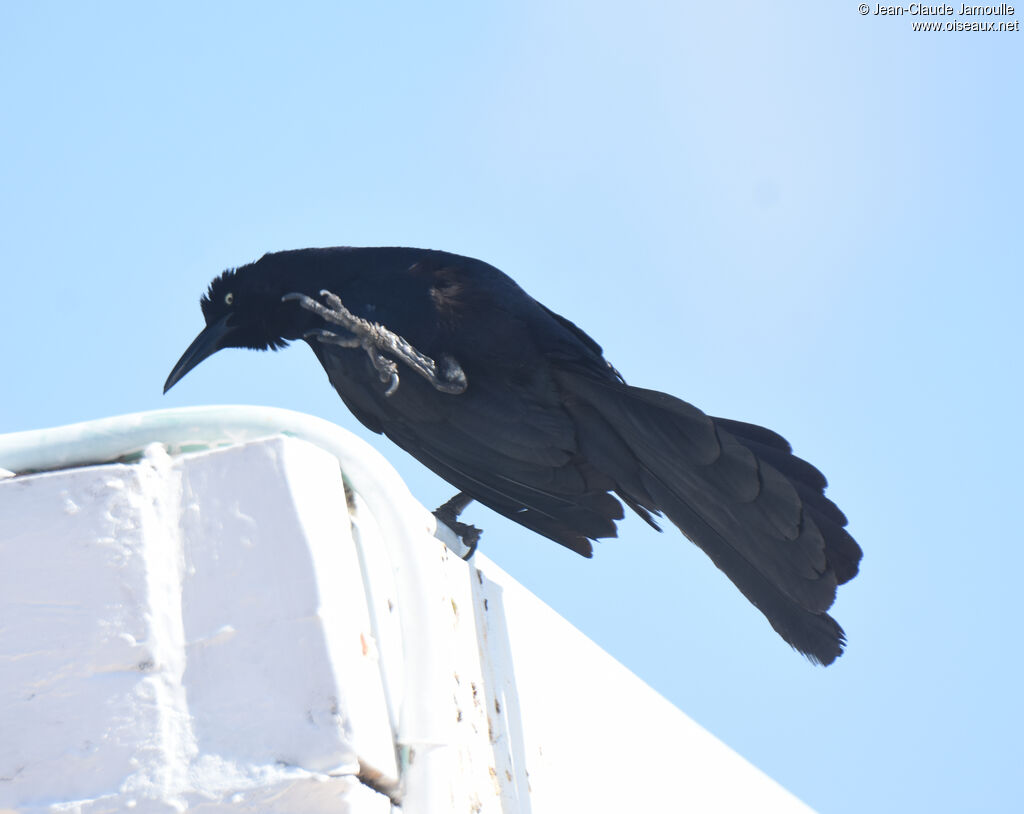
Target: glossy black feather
{"points": [[547, 432]]}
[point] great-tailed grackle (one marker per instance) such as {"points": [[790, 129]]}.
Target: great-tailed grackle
{"points": [[516, 407]]}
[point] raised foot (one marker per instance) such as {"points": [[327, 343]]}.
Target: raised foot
{"points": [[446, 376]]}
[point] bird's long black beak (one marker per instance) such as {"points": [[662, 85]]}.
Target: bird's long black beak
{"points": [[210, 340]]}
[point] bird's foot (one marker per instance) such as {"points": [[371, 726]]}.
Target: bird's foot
{"points": [[448, 513], [448, 377], [470, 536]]}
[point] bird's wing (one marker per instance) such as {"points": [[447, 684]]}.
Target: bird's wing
{"points": [[507, 441]]}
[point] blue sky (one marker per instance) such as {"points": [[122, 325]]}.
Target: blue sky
{"points": [[787, 214]]}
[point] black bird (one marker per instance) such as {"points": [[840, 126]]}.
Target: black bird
{"points": [[516, 407]]}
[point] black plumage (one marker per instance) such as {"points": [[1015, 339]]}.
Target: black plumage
{"points": [[517, 407]]}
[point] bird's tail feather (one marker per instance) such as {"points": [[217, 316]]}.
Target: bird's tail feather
{"points": [[736, 491]]}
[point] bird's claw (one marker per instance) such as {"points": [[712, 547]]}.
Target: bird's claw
{"points": [[375, 338], [470, 536], [448, 513], [386, 369]]}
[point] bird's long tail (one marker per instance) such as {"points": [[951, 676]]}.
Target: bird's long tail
{"points": [[735, 490]]}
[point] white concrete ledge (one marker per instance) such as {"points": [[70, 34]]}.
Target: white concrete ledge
{"points": [[229, 630]]}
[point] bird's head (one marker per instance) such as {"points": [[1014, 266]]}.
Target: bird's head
{"points": [[243, 309]]}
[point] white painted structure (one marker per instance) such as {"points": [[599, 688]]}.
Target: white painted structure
{"points": [[219, 624]]}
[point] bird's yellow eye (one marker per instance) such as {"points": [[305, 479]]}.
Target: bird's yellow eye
{"points": [[229, 298]]}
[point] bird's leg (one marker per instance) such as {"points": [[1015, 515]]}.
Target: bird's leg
{"points": [[448, 513], [375, 338]]}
